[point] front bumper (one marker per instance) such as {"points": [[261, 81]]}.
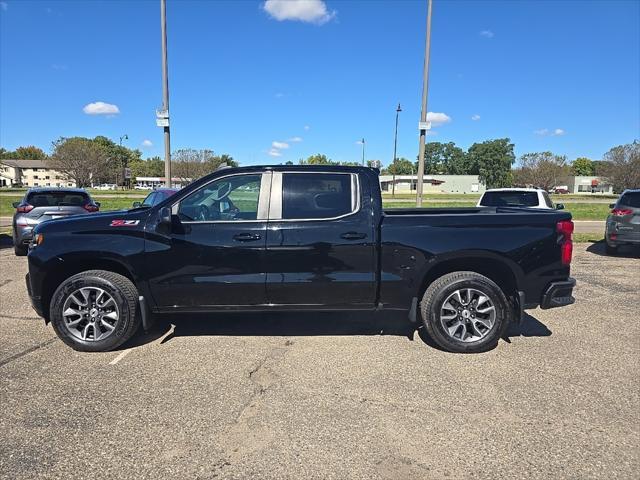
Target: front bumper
{"points": [[36, 302], [558, 294]]}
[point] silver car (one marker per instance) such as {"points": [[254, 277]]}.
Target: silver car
{"points": [[623, 223], [41, 204]]}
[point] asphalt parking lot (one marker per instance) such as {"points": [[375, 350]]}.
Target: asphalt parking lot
{"points": [[329, 396]]}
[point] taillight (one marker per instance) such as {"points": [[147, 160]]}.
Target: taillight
{"points": [[621, 212], [89, 207], [565, 229], [24, 208]]}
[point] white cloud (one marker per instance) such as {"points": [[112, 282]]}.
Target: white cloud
{"points": [[4, 6], [274, 152], [475, 117], [147, 143], [487, 34], [100, 108], [279, 95], [431, 133], [360, 142], [310, 11], [59, 66], [279, 145], [307, 128], [438, 119], [295, 139], [545, 132]]}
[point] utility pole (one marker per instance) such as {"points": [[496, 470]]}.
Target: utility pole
{"points": [[123, 137], [395, 156], [424, 126], [165, 95], [363, 151]]}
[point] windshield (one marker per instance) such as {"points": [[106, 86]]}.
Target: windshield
{"points": [[630, 199], [510, 199], [58, 199]]}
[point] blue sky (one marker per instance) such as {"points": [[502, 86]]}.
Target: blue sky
{"points": [[316, 77]]}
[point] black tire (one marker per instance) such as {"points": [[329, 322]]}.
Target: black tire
{"points": [[438, 292], [19, 250], [611, 250], [125, 296]]}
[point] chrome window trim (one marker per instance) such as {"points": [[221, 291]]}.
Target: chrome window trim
{"points": [[275, 210], [263, 197]]}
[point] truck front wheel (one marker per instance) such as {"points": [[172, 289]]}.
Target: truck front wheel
{"points": [[465, 312], [95, 311]]}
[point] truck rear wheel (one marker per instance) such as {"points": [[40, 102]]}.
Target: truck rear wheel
{"points": [[95, 311], [465, 312]]}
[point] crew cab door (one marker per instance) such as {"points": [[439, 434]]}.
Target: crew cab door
{"points": [[214, 255], [320, 241]]}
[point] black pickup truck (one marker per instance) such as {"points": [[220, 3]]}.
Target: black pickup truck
{"points": [[298, 238]]}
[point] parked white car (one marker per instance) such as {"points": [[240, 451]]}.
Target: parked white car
{"points": [[518, 197], [106, 186]]}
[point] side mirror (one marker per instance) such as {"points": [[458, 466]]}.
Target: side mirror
{"points": [[165, 216], [15, 204], [137, 204], [559, 206], [97, 204], [612, 205]]}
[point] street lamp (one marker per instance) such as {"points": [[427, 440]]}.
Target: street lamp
{"points": [[123, 137], [363, 151], [423, 126], [395, 147]]}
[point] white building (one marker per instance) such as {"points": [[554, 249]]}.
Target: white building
{"points": [[433, 184], [31, 173]]}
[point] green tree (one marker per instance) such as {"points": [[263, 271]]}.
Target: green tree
{"points": [[583, 166], [622, 166], [543, 169], [401, 166], [151, 167], [23, 153], [444, 159], [493, 160], [30, 153], [318, 159], [189, 164], [80, 159]]}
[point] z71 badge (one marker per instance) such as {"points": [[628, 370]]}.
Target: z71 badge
{"points": [[124, 223]]}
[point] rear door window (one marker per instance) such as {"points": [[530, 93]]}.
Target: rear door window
{"points": [[630, 199], [547, 200], [317, 195], [510, 199], [57, 199]]}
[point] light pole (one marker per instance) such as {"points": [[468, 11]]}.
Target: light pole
{"points": [[363, 151], [423, 115], [165, 94], [123, 137], [395, 147]]}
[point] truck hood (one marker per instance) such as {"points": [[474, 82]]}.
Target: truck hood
{"points": [[129, 219]]}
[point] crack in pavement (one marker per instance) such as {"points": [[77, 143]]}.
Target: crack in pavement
{"points": [[27, 351], [244, 436]]}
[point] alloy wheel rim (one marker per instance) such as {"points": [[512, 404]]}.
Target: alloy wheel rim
{"points": [[468, 315], [90, 314]]}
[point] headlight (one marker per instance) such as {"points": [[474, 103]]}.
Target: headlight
{"points": [[38, 238]]}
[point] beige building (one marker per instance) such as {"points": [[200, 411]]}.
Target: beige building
{"points": [[31, 173], [432, 183]]}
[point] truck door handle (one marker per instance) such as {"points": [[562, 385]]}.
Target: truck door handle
{"points": [[353, 236], [247, 237]]}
